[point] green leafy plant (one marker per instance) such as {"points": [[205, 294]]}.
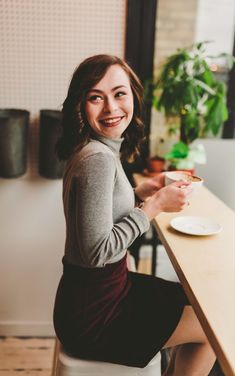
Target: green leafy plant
{"points": [[188, 90], [183, 157]]}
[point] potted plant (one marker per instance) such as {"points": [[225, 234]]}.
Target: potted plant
{"points": [[188, 91], [156, 164]]}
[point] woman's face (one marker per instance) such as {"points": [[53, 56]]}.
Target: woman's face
{"points": [[110, 103]]}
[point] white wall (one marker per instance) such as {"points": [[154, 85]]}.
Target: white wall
{"points": [[215, 22], [31, 243], [41, 44], [218, 172]]}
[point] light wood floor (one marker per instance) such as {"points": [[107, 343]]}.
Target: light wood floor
{"points": [[26, 356]]}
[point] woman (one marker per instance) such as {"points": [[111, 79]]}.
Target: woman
{"points": [[103, 311]]}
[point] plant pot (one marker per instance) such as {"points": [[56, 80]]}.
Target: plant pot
{"points": [[14, 124], [156, 164], [50, 129]]}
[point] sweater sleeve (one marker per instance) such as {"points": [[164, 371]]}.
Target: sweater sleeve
{"points": [[100, 239]]}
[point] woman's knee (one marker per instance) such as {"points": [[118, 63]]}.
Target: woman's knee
{"points": [[188, 330]]}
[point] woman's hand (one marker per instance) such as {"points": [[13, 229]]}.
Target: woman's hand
{"points": [[150, 186], [172, 198]]}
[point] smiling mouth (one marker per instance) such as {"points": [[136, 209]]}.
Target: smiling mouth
{"points": [[111, 122]]}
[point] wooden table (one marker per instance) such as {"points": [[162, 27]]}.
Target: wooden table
{"points": [[205, 266]]}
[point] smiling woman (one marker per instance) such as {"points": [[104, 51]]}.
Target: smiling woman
{"points": [[102, 103], [102, 310], [109, 104]]}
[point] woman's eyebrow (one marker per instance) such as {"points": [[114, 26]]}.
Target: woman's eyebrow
{"points": [[113, 89]]}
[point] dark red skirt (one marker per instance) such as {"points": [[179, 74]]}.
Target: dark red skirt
{"points": [[111, 314]]}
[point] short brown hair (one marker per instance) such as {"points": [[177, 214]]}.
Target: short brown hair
{"points": [[76, 131]]}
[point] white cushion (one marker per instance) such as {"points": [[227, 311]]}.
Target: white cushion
{"points": [[68, 366]]}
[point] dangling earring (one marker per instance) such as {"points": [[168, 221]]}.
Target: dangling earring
{"points": [[81, 123], [80, 119]]}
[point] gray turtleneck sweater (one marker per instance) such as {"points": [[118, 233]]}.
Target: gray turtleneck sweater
{"points": [[101, 219]]}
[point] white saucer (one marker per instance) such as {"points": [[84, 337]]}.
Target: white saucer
{"points": [[195, 225]]}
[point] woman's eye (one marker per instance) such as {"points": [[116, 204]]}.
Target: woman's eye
{"points": [[95, 98], [120, 94]]}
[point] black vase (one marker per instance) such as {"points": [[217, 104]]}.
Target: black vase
{"points": [[50, 129], [14, 125]]}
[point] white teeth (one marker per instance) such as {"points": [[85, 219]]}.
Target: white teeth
{"points": [[110, 121]]}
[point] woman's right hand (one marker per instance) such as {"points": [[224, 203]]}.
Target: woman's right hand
{"points": [[172, 198]]}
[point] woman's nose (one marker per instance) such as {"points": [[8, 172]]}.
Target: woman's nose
{"points": [[110, 105]]}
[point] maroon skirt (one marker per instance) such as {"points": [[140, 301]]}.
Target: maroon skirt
{"points": [[114, 315]]}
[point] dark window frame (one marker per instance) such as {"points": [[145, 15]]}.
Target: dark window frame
{"points": [[229, 125], [139, 49]]}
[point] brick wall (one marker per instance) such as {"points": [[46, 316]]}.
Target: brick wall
{"points": [[175, 28]]}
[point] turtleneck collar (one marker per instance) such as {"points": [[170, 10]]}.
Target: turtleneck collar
{"points": [[113, 143]]}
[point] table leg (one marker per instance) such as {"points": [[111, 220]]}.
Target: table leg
{"points": [[155, 242]]}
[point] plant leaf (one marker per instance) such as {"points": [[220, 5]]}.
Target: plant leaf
{"points": [[179, 150]]}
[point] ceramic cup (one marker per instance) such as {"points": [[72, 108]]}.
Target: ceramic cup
{"points": [[173, 176]]}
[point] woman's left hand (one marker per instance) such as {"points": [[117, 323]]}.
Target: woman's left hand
{"points": [[148, 187]]}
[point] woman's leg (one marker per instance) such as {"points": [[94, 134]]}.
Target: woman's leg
{"points": [[193, 355]]}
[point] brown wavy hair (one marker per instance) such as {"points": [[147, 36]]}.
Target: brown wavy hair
{"points": [[76, 131]]}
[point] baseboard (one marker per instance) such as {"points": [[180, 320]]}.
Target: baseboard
{"points": [[27, 328]]}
